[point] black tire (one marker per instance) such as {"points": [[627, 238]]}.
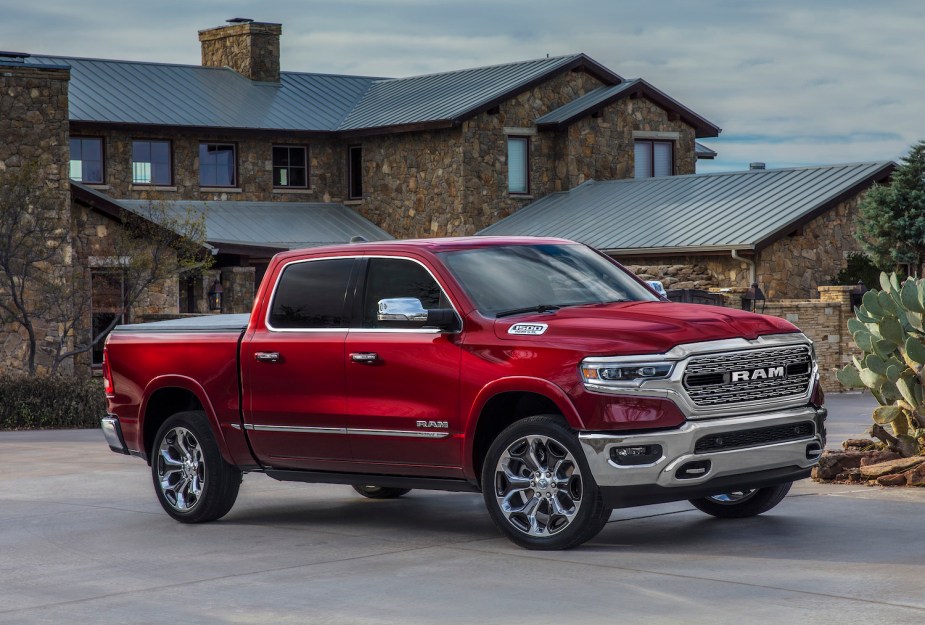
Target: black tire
{"points": [[380, 492], [743, 504], [193, 482], [533, 514]]}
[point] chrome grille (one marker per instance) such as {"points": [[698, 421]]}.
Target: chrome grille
{"points": [[708, 379]]}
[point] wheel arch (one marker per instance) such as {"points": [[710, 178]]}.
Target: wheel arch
{"points": [[166, 396], [507, 401]]}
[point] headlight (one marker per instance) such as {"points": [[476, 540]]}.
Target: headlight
{"points": [[598, 373]]}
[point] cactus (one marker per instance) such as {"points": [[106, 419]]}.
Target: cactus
{"points": [[889, 329]]}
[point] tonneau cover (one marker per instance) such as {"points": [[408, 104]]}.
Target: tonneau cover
{"points": [[204, 323]]}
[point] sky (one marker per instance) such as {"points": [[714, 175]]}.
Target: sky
{"points": [[790, 82]]}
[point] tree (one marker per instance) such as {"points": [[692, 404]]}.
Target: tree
{"points": [[891, 224], [46, 281]]}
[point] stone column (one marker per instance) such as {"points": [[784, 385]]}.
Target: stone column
{"points": [[238, 283]]}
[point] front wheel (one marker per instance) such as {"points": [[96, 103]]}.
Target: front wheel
{"points": [[743, 503], [193, 482], [538, 488]]}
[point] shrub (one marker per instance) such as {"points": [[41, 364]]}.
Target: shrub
{"points": [[32, 403]]}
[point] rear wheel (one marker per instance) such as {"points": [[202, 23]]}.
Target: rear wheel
{"points": [[538, 488], [193, 482], [380, 492], [743, 503]]}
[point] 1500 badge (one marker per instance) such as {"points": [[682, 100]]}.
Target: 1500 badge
{"points": [[534, 329]]}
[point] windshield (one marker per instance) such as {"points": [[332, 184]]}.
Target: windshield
{"points": [[520, 278]]}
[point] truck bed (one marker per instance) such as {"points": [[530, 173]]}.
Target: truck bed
{"points": [[204, 323]]}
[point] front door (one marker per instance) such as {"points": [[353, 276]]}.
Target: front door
{"points": [[402, 379], [292, 368]]}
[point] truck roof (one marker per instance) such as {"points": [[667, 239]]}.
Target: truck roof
{"points": [[431, 245]]}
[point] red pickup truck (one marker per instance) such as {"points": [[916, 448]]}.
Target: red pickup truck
{"points": [[537, 371]]}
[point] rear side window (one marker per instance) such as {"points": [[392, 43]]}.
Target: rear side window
{"points": [[312, 295]]}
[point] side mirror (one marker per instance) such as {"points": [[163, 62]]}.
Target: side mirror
{"points": [[410, 309]]}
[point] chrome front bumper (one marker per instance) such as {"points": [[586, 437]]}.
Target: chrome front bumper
{"points": [[112, 431], [678, 451]]}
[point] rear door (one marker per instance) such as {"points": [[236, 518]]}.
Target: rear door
{"points": [[402, 378], [293, 367]]}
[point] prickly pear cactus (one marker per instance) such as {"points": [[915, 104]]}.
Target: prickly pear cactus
{"points": [[888, 329]]}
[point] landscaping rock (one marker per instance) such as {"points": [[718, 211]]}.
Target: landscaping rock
{"points": [[892, 480], [916, 476], [876, 457], [834, 463], [858, 444], [891, 466]]}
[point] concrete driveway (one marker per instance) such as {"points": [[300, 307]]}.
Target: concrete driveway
{"points": [[83, 540]]}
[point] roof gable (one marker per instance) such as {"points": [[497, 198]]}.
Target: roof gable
{"points": [[696, 213], [603, 96]]}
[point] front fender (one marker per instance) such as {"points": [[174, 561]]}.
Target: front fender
{"points": [[516, 384]]}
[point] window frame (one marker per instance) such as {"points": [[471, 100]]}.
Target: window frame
{"points": [[527, 156], [235, 181], [652, 142], [170, 163], [351, 173], [102, 142], [305, 150]]}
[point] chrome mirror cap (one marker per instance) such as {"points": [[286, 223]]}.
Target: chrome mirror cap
{"points": [[401, 309]]}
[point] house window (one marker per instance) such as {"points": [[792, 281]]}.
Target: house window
{"points": [[290, 166], [151, 162], [87, 159], [518, 165], [107, 298], [654, 158], [355, 172], [217, 165]]}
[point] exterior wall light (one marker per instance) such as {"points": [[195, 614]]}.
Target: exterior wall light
{"points": [[215, 297]]}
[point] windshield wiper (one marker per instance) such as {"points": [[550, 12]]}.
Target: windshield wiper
{"points": [[541, 308]]}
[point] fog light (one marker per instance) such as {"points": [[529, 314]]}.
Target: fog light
{"points": [[636, 455]]}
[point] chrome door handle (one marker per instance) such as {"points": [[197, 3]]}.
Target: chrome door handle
{"points": [[267, 356], [367, 357]]}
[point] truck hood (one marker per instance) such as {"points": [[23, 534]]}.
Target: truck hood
{"points": [[637, 327]]}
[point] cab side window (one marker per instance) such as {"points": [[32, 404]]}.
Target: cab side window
{"points": [[390, 278], [312, 295]]}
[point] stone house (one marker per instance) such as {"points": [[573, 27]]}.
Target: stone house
{"points": [[277, 159]]}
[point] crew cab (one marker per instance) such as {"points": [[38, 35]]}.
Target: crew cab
{"points": [[538, 372]]}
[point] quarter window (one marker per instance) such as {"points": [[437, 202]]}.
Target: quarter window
{"points": [[312, 295], [654, 158], [518, 165], [290, 166], [217, 165], [151, 162], [87, 159]]}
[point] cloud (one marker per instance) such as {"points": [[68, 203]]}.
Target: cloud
{"points": [[790, 82]]}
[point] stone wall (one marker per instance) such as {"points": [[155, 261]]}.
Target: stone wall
{"points": [[795, 265], [690, 272], [250, 49], [238, 285], [34, 130]]}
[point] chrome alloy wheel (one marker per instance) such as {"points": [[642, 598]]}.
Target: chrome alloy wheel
{"points": [[538, 485], [733, 498], [181, 469]]}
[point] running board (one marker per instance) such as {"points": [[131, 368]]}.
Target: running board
{"points": [[372, 479]]}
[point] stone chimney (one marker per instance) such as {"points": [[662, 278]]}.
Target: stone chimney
{"points": [[248, 47]]}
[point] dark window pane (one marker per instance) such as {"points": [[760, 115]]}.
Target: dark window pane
{"points": [[297, 177], [297, 157], [160, 152], [216, 165], [75, 149], [312, 295], [92, 171], [92, 150], [355, 172], [389, 278], [141, 151], [160, 174], [280, 157]]}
